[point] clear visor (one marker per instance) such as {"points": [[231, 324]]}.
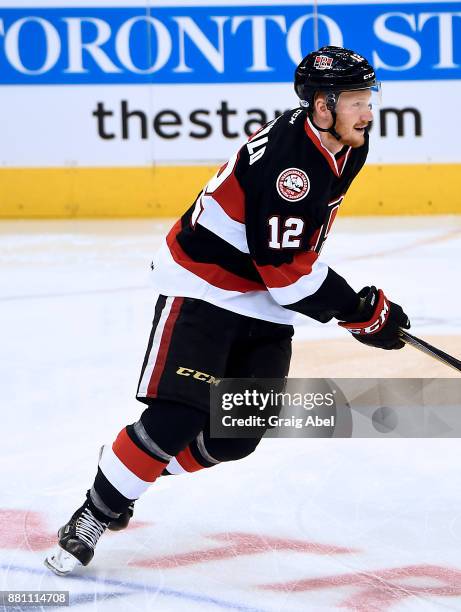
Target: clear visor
{"points": [[376, 95], [360, 101]]}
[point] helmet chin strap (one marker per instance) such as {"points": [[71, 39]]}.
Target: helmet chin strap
{"points": [[331, 101], [331, 130]]}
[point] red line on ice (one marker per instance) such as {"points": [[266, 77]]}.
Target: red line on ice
{"points": [[28, 530], [239, 544], [380, 589]]}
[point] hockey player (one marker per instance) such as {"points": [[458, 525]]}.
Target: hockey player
{"points": [[232, 274]]}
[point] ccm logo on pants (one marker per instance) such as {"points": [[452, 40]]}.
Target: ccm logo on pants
{"points": [[196, 374]]}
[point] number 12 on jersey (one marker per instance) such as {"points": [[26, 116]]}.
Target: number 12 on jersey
{"points": [[285, 234]]}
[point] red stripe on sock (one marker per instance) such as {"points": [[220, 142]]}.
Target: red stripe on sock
{"points": [[165, 341], [137, 461], [186, 461]]}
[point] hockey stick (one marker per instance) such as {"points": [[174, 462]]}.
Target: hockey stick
{"points": [[430, 350]]}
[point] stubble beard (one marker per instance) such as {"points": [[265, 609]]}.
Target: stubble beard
{"points": [[354, 140]]}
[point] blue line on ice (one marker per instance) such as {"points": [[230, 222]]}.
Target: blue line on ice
{"points": [[136, 586]]}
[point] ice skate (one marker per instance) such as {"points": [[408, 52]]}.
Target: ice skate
{"points": [[77, 540], [120, 523], [123, 520]]}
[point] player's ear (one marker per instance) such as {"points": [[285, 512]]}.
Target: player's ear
{"points": [[320, 104]]}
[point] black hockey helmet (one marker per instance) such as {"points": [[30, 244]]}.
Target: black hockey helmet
{"points": [[332, 70]]}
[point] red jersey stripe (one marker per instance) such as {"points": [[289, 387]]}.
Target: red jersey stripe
{"points": [[342, 160], [187, 461], [287, 274], [335, 167], [229, 194], [165, 341], [318, 143], [231, 198], [137, 461], [333, 214], [211, 273]]}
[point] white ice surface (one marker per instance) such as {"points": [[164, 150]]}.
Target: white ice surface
{"points": [[378, 520]]}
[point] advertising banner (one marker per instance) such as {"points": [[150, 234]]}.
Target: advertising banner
{"points": [[151, 91]]}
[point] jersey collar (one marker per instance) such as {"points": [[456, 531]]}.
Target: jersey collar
{"points": [[314, 135]]}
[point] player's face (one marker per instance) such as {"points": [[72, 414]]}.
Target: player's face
{"points": [[353, 115]]}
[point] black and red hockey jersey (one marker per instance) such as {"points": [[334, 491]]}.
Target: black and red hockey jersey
{"points": [[250, 242]]}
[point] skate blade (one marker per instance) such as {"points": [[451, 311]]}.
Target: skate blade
{"points": [[61, 562]]}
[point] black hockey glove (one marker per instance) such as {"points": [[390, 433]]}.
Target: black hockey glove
{"points": [[377, 320]]}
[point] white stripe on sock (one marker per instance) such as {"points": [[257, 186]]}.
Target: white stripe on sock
{"points": [[120, 477], [174, 468]]}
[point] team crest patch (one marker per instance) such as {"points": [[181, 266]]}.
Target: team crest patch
{"points": [[293, 184], [323, 62]]}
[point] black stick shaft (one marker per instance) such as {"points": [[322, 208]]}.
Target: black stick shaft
{"points": [[430, 350]]}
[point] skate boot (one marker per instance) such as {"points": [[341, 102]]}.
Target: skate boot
{"points": [[77, 540], [122, 521]]}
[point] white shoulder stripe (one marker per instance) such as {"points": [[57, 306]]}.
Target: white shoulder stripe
{"points": [[304, 287], [215, 219]]}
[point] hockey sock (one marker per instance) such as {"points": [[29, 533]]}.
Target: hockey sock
{"points": [[125, 471], [140, 454], [193, 458]]}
